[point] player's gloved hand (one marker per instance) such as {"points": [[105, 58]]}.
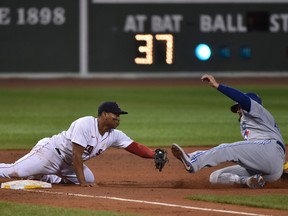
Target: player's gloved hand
{"points": [[160, 159]]}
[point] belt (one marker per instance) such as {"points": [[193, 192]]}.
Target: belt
{"points": [[281, 145]]}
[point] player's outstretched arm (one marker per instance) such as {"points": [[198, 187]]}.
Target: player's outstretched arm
{"points": [[140, 150], [230, 92], [159, 155]]}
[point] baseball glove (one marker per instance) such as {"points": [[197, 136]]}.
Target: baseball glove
{"points": [[160, 159]]}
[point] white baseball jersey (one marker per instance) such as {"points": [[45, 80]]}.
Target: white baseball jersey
{"points": [[84, 131], [52, 157]]}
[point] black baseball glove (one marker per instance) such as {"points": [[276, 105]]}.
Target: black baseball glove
{"points": [[160, 159]]}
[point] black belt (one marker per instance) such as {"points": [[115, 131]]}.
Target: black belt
{"points": [[281, 145]]}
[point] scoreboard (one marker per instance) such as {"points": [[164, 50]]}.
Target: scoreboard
{"points": [[188, 37], [39, 36], [119, 36]]}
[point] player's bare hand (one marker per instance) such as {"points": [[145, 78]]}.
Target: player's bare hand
{"points": [[210, 79]]}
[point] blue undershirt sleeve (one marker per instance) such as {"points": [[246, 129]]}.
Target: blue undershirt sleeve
{"points": [[243, 100]]}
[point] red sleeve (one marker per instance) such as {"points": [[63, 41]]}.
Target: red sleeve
{"points": [[140, 150]]}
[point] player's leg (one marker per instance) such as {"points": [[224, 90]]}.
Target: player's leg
{"points": [[263, 160], [25, 166], [274, 176], [229, 175], [67, 175], [253, 155], [40, 160], [237, 175]]}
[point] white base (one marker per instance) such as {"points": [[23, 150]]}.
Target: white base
{"points": [[25, 184]]}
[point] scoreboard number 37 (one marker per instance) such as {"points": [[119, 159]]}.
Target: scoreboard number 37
{"points": [[147, 49]]}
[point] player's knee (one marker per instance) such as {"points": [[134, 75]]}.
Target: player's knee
{"points": [[89, 176], [214, 177]]}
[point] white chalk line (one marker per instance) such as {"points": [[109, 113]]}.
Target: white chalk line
{"points": [[145, 202]]}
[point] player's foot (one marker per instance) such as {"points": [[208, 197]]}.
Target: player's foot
{"points": [[180, 154], [256, 181]]}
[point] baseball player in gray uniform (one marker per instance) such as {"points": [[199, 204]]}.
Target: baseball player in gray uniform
{"points": [[60, 158], [259, 158]]}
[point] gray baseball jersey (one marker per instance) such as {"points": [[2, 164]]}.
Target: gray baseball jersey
{"points": [[259, 124]]}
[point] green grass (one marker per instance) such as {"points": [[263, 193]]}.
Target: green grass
{"points": [[189, 116], [271, 201], [10, 209]]}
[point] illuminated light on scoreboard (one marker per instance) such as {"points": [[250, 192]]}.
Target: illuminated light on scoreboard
{"points": [[245, 52], [148, 48], [169, 46], [225, 52], [203, 52]]}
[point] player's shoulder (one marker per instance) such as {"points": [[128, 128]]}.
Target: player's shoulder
{"points": [[256, 107], [118, 136], [260, 111], [86, 119], [116, 132]]}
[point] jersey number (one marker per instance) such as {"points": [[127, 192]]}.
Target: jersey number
{"points": [[89, 149]]}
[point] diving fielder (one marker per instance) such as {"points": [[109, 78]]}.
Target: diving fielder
{"points": [[60, 158], [259, 158]]}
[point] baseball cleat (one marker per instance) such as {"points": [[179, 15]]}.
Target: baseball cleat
{"points": [[180, 154], [256, 181]]}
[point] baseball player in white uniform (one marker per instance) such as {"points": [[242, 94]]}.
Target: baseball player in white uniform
{"points": [[259, 158], [60, 158]]}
